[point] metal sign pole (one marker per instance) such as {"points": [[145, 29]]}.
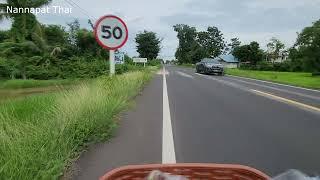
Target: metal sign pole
{"points": [[112, 66], [111, 33]]}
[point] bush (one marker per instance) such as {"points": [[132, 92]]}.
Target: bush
{"points": [[4, 68], [247, 67], [286, 66], [282, 67], [264, 66], [154, 62], [316, 74], [48, 67]]}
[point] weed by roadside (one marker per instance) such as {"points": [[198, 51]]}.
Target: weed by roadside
{"points": [[39, 134]]}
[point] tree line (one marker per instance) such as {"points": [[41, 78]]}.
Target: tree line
{"points": [[304, 55], [34, 50], [31, 50], [56, 52]]}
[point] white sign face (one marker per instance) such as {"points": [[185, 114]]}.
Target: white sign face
{"points": [[119, 57], [140, 60], [111, 32]]}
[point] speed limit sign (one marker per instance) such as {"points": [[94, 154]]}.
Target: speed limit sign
{"points": [[111, 33]]}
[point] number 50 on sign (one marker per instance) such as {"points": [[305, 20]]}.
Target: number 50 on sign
{"points": [[111, 33]]}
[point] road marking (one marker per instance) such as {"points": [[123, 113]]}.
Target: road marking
{"points": [[184, 74], [163, 71], [278, 89], [286, 100], [168, 152], [276, 83], [281, 99], [231, 84]]}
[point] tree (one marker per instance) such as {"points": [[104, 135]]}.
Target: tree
{"points": [[308, 47], [4, 36], [249, 53], [187, 43], [275, 46], [235, 42], [25, 25], [55, 35], [74, 27], [87, 44], [212, 41], [20, 55], [148, 44]]}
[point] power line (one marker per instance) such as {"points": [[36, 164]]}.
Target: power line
{"points": [[82, 9], [75, 5]]}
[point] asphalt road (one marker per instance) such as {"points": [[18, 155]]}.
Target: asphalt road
{"points": [[214, 119]]}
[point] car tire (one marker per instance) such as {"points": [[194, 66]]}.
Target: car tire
{"points": [[205, 71]]}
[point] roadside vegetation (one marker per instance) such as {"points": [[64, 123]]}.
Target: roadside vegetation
{"points": [[55, 95], [30, 83], [291, 78], [39, 135], [54, 52], [303, 56]]}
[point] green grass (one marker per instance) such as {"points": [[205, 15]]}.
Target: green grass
{"points": [[290, 78], [19, 84], [39, 135]]}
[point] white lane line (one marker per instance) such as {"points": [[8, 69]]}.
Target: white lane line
{"points": [[288, 101], [231, 84], [184, 74], [276, 83], [268, 95], [278, 89], [168, 152]]}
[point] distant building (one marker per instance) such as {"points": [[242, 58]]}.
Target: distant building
{"points": [[281, 57], [228, 61]]}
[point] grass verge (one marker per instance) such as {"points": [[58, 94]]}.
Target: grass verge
{"points": [[39, 135], [20, 84], [290, 78]]}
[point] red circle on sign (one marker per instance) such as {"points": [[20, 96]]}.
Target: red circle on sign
{"points": [[96, 30]]}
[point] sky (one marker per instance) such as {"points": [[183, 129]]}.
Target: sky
{"points": [[249, 20]]}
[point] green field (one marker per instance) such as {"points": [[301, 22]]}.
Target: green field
{"points": [[41, 134], [290, 78]]}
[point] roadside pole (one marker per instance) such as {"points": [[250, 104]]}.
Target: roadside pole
{"points": [[112, 63], [111, 33]]}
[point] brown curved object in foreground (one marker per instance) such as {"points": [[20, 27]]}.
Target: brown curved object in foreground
{"points": [[191, 171]]}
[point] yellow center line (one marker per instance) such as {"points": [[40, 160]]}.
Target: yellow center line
{"points": [[286, 100]]}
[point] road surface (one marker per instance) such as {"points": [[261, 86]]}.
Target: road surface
{"points": [[182, 116]]}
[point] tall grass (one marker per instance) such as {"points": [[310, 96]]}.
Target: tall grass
{"points": [[40, 134], [30, 83]]}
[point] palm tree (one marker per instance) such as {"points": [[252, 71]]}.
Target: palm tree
{"points": [[24, 25], [26, 34]]}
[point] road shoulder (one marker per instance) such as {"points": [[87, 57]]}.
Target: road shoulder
{"points": [[137, 139]]}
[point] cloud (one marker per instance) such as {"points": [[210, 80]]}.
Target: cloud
{"points": [[250, 20]]}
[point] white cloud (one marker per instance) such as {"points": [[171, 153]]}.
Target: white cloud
{"points": [[250, 20]]}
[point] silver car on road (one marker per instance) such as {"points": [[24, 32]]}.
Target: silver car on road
{"points": [[210, 66]]}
